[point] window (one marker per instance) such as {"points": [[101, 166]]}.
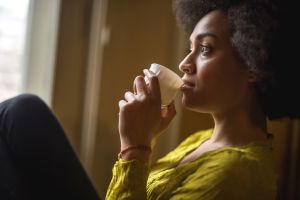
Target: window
{"points": [[13, 20], [28, 32]]}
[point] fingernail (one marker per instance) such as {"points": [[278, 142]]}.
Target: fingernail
{"points": [[146, 72]]}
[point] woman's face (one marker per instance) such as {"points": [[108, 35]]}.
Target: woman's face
{"points": [[216, 80]]}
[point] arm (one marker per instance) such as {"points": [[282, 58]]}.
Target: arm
{"points": [[141, 119], [128, 181]]}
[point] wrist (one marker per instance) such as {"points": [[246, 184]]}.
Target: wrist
{"points": [[136, 152]]}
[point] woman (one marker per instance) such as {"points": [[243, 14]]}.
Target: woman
{"points": [[233, 72]]}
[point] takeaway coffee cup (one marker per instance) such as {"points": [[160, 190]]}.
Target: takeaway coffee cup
{"points": [[169, 82]]}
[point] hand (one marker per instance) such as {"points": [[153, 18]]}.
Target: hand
{"points": [[141, 117]]}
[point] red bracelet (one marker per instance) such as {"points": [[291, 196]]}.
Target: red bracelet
{"points": [[138, 147]]}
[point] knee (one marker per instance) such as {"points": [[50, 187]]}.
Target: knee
{"points": [[21, 111], [27, 100], [26, 104]]}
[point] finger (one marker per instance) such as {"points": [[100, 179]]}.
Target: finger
{"points": [[148, 74], [141, 87], [122, 103], [129, 96], [134, 88], [153, 83]]}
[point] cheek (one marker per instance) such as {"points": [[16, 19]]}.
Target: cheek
{"points": [[220, 76], [209, 73]]}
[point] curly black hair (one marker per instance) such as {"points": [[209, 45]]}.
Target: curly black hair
{"points": [[259, 34]]}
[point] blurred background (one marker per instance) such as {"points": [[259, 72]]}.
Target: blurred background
{"points": [[80, 56]]}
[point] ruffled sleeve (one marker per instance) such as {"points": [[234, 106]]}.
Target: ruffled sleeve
{"points": [[129, 181]]}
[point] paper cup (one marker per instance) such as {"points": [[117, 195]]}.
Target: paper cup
{"points": [[169, 83]]}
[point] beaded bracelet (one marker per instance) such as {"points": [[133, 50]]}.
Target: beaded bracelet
{"points": [[138, 147]]}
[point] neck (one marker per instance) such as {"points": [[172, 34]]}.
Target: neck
{"points": [[239, 128]]}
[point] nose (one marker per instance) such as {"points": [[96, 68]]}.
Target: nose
{"points": [[187, 65]]}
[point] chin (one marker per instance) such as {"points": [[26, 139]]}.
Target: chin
{"points": [[188, 103], [193, 105]]}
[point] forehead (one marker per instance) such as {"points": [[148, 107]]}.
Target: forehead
{"points": [[215, 23]]}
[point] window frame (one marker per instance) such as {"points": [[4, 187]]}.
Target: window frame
{"points": [[40, 48]]}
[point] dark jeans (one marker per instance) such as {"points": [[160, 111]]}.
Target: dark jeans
{"points": [[36, 159]]}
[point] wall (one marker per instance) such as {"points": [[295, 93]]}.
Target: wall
{"points": [[70, 70]]}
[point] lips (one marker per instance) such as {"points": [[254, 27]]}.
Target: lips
{"points": [[187, 84]]}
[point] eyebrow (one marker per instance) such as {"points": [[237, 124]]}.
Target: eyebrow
{"points": [[202, 35]]}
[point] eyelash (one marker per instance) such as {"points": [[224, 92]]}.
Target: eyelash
{"points": [[203, 49]]}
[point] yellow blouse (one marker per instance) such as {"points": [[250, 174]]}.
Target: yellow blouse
{"points": [[233, 173]]}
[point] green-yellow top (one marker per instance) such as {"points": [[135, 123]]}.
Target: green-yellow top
{"points": [[233, 173]]}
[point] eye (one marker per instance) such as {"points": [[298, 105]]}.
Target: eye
{"points": [[204, 49]]}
